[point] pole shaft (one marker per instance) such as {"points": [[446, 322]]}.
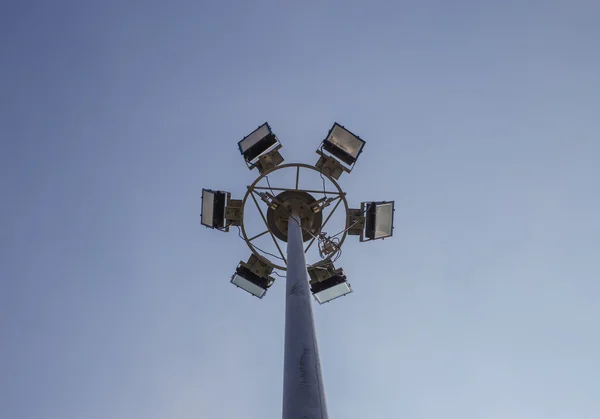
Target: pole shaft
{"points": [[303, 392]]}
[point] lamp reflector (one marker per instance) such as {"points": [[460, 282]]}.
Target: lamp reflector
{"points": [[379, 222], [343, 145], [250, 282], [213, 208], [257, 143], [331, 288]]}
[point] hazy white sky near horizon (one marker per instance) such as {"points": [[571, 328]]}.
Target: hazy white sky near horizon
{"points": [[481, 120]]}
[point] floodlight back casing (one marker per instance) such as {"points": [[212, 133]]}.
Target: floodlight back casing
{"points": [[213, 209], [260, 141], [253, 276], [258, 267], [328, 283], [321, 271], [269, 160], [330, 166]]}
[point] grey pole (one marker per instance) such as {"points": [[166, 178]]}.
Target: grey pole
{"points": [[303, 392]]}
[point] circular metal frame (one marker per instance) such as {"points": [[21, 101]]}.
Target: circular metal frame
{"points": [[298, 166]]}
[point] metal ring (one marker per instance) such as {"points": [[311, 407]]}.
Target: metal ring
{"points": [[342, 196]]}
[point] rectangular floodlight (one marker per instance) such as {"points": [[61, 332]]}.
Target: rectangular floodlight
{"points": [[379, 220], [331, 288], [343, 145], [213, 208], [247, 280], [259, 142]]}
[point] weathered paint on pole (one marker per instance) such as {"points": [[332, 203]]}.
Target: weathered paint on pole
{"points": [[303, 392]]}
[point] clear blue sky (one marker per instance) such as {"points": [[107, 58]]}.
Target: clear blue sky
{"points": [[481, 121]]}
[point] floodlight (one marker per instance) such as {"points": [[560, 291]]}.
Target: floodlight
{"points": [[253, 277], [213, 209], [343, 145], [379, 219], [260, 149], [328, 283]]}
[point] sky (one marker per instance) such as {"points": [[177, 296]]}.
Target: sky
{"points": [[481, 123]]}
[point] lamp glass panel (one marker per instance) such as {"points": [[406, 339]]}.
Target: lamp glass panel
{"points": [[248, 286], [346, 141], [254, 138], [333, 292], [384, 216], [208, 203]]}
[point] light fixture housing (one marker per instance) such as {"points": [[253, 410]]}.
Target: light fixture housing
{"points": [[328, 283], [213, 209], [356, 222], [343, 144], [379, 220], [233, 212], [253, 277], [261, 149]]}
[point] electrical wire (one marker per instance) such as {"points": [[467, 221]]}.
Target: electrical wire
{"points": [[321, 172], [328, 246], [258, 248], [349, 227], [268, 253], [343, 231], [339, 254], [269, 183], [240, 233], [226, 227]]}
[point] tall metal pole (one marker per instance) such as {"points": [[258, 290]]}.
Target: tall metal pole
{"points": [[303, 392]]}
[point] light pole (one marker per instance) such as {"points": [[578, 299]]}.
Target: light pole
{"points": [[303, 390], [294, 216]]}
